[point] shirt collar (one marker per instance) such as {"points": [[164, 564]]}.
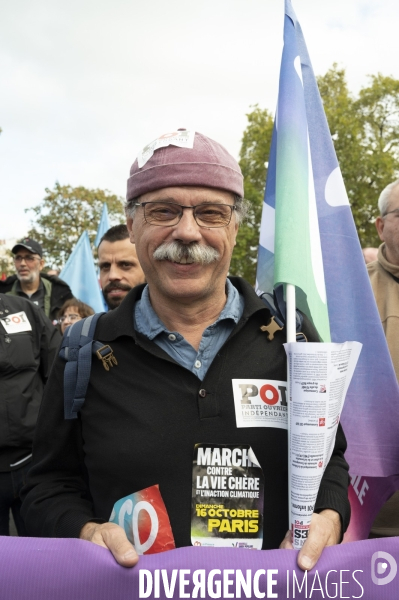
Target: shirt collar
{"points": [[148, 323], [382, 259]]}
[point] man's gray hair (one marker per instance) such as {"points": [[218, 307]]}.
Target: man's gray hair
{"points": [[383, 200], [241, 211]]}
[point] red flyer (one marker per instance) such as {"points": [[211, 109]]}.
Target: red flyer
{"points": [[144, 518]]}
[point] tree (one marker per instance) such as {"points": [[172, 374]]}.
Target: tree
{"points": [[254, 153], [6, 264], [65, 213], [365, 132]]}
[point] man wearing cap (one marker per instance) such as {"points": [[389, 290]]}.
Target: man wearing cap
{"points": [[48, 292], [180, 341]]}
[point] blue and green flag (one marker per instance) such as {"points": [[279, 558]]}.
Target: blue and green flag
{"points": [[308, 238]]}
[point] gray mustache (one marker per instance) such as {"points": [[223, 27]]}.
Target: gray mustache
{"points": [[176, 252]]}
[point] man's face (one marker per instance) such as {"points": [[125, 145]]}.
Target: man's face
{"points": [[120, 270], [179, 279], [28, 265], [388, 228]]}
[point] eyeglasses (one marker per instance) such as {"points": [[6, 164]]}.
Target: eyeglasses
{"points": [[71, 318], [167, 214], [391, 212], [28, 258]]}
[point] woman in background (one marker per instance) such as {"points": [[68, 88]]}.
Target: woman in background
{"points": [[73, 310]]}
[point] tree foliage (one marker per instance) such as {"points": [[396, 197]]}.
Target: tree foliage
{"points": [[254, 153], [365, 132], [6, 264], [65, 213]]}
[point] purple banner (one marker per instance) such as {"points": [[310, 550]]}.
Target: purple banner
{"points": [[49, 569], [367, 495]]}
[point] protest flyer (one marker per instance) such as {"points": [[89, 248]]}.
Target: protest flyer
{"points": [[319, 377], [227, 497], [260, 403], [144, 518]]}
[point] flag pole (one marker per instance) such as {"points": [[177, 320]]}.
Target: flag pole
{"points": [[291, 337]]}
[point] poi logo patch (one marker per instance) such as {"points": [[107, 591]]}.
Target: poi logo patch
{"points": [[270, 393], [383, 564], [260, 403], [16, 323]]}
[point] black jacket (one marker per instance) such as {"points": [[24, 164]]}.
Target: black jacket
{"points": [[141, 420], [59, 292], [25, 360]]}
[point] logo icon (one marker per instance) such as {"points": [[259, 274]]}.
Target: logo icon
{"points": [[379, 566]]}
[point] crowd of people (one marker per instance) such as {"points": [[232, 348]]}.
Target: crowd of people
{"points": [[47, 307], [180, 330]]}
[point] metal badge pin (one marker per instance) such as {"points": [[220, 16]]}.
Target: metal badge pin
{"points": [[271, 329]]}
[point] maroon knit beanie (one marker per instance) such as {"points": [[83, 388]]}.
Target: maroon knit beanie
{"points": [[184, 158]]}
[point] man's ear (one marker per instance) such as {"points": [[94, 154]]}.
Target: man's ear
{"points": [[129, 223], [379, 225], [42, 263]]}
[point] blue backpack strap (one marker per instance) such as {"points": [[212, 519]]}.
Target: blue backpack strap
{"points": [[77, 348]]}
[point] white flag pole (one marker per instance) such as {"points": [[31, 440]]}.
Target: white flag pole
{"points": [[291, 337]]}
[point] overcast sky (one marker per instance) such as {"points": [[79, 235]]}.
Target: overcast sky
{"points": [[85, 84]]}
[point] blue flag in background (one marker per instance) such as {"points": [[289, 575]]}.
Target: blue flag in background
{"points": [[308, 238], [80, 274], [103, 226]]}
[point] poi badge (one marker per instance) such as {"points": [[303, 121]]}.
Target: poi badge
{"points": [[16, 323], [260, 403]]}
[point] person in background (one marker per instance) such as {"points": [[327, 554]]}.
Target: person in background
{"points": [[119, 266], [71, 311], [369, 254], [28, 344], [384, 279], [46, 291]]}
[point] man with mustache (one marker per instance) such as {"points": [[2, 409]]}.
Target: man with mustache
{"points": [[179, 341], [119, 266]]}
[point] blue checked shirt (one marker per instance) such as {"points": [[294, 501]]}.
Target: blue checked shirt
{"points": [[147, 322]]}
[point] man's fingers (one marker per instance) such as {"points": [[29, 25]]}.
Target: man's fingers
{"points": [[310, 552], [123, 551], [286, 544], [113, 537], [325, 529]]}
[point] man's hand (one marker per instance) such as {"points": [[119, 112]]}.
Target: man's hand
{"points": [[113, 537], [325, 530]]}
